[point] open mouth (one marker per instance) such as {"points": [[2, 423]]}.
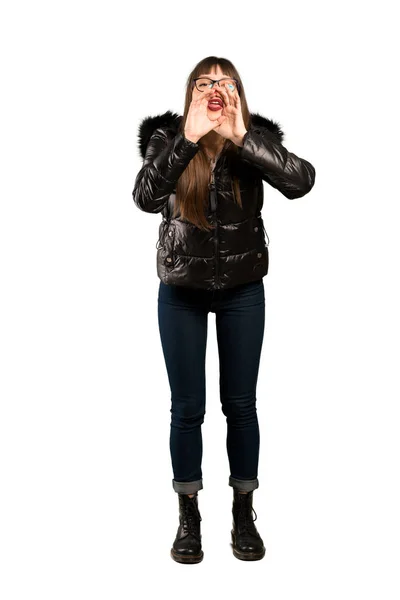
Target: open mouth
{"points": [[215, 104]]}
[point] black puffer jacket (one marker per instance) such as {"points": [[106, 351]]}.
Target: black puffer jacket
{"points": [[235, 251]]}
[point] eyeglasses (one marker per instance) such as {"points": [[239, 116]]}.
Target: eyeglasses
{"points": [[205, 83]]}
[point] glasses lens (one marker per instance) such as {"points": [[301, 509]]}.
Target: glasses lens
{"points": [[230, 83], [205, 84]]}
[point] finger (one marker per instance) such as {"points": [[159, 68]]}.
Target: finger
{"points": [[217, 130], [198, 94], [222, 89], [206, 97], [202, 98], [236, 99], [233, 95], [220, 121], [224, 94]]}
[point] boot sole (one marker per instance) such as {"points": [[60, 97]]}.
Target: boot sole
{"points": [[188, 559]]}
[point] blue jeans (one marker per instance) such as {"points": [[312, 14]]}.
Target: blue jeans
{"points": [[240, 317]]}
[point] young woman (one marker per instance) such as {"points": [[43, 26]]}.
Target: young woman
{"points": [[204, 172]]}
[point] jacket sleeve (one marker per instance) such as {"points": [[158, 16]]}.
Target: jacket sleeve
{"points": [[164, 162], [292, 176]]}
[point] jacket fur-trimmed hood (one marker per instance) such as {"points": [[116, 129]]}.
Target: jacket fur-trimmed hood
{"points": [[171, 120]]}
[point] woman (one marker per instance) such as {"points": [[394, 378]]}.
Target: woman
{"points": [[204, 172]]}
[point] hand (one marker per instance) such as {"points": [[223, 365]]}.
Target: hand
{"points": [[233, 127], [198, 122]]}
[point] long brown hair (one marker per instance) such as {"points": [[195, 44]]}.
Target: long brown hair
{"points": [[192, 186]]}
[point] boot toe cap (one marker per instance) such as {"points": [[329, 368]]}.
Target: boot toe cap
{"points": [[255, 547], [248, 544], [187, 550]]}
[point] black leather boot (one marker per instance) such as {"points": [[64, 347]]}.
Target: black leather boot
{"points": [[246, 541], [187, 544]]}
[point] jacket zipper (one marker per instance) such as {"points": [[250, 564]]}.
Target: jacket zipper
{"points": [[213, 199]]}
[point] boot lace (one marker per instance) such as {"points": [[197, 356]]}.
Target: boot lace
{"points": [[245, 518], [191, 517]]}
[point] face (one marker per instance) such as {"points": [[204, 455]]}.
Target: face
{"points": [[213, 109]]}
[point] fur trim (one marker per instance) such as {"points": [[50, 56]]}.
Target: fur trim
{"points": [[259, 122], [171, 120]]}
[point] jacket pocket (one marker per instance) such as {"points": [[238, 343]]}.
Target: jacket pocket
{"points": [[161, 234], [261, 256], [264, 232], [169, 245], [260, 233]]}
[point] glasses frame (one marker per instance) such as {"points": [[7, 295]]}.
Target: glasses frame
{"points": [[213, 81]]}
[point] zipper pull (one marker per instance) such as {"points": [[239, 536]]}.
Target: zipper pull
{"points": [[265, 232], [164, 224]]}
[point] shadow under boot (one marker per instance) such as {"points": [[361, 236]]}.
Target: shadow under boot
{"points": [[246, 541], [186, 547]]}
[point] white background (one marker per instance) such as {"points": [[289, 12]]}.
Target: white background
{"points": [[87, 508]]}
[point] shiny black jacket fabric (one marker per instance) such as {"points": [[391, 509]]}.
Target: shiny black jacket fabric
{"points": [[236, 251]]}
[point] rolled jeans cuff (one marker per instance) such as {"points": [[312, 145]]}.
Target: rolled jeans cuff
{"points": [[187, 487], [244, 485]]}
